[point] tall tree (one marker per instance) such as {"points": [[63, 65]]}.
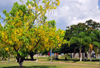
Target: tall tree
{"points": [[93, 24], [23, 35]]}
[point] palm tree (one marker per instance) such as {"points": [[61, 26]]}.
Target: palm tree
{"points": [[82, 41], [78, 40], [95, 40], [86, 42], [74, 44]]}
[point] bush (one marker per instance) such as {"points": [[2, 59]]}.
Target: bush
{"points": [[66, 56]]}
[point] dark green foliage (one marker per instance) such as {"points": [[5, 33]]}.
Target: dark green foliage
{"points": [[81, 35], [93, 24]]}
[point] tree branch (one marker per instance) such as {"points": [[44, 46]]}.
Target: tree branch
{"points": [[36, 43]]}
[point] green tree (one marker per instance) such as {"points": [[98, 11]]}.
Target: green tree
{"points": [[73, 31], [21, 33], [93, 24], [95, 36]]}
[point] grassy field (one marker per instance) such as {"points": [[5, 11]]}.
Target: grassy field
{"points": [[43, 62]]}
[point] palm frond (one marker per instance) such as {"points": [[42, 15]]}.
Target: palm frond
{"points": [[86, 40], [97, 44], [73, 40]]}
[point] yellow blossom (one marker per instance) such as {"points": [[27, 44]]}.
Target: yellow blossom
{"points": [[7, 49], [29, 6], [27, 24], [58, 3], [57, 0], [55, 7]]}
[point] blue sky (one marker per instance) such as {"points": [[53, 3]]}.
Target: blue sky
{"points": [[99, 4], [69, 12]]}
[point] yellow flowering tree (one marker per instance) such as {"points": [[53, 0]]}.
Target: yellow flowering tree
{"points": [[26, 29], [3, 49]]}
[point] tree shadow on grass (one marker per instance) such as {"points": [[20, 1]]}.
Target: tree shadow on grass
{"points": [[31, 67], [30, 59], [93, 60], [77, 60], [74, 60]]}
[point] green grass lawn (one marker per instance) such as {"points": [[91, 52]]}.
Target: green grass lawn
{"points": [[43, 62]]}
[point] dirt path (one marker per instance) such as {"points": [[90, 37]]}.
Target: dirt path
{"points": [[72, 64]]}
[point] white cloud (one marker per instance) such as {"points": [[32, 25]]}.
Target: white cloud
{"points": [[69, 12], [75, 11]]}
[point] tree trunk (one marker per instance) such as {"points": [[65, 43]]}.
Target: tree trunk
{"points": [[9, 58], [83, 56], [20, 60], [65, 57], [21, 64], [31, 55], [90, 54], [2, 59], [74, 53], [80, 56], [86, 56], [96, 56], [37, 58], [90, 57]]}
